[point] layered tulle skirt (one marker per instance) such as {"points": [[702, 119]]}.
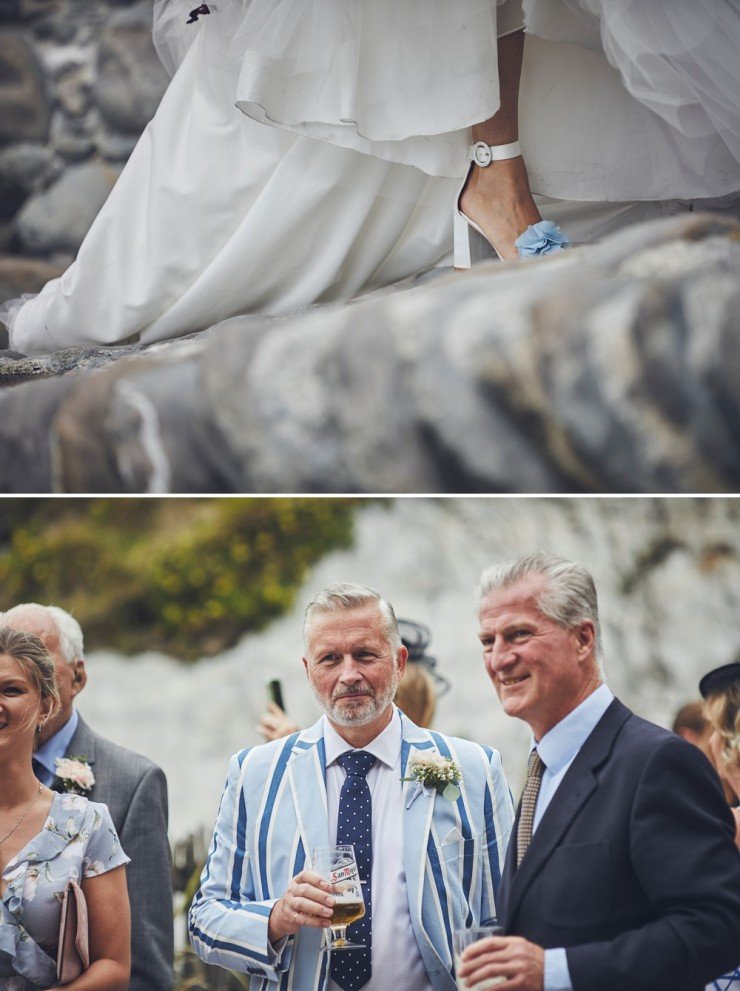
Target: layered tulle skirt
{"points": [[402, 80], [625, 86]]}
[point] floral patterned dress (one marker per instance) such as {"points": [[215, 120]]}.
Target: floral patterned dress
{"points": [[78, 840]]}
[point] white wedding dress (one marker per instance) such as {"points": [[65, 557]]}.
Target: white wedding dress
{"points": [[307, 151]]}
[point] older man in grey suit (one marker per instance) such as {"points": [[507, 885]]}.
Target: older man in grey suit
{"points": [[133, 788]]}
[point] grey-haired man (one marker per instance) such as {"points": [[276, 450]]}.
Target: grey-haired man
{"points": [[622, 873]]}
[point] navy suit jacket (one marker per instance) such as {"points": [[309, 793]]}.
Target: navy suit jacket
{"points": [[633, 868]]}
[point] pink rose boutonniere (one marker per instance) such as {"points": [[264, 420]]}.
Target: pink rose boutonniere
{"points": [[75, 774]]}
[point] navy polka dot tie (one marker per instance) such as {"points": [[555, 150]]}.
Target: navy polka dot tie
{"points": [[351, 969]]}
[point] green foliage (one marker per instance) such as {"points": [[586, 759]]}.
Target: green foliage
{"points": [[186, 576]]}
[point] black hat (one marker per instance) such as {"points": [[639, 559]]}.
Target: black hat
{"points": [[416, 637], [720, 678]]}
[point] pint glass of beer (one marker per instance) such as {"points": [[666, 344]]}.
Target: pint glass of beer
{"points": [[337, 865], [462, 939]]}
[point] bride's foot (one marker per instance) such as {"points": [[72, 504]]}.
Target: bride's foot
{"points": [[498, 199]]}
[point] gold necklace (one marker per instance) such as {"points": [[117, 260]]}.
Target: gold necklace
{"points": [[28, 809]]}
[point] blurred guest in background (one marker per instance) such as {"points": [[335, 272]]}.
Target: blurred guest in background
{"points": [[133, 788], [721, 689], [692, 724], [416, 695]]}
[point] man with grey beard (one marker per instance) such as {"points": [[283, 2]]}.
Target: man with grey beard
{"points": [[428, 862]]}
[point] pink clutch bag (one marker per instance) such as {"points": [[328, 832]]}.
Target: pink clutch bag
{"points": [[73, 953]]}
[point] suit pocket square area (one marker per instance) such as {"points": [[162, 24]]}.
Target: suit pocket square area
{"points": [[577, 885], [454, 836]]}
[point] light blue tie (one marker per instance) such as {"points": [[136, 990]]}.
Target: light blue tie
{"points": [[351, 969]]}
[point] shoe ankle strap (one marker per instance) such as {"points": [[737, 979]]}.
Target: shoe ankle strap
{"points": [[483, 154]]}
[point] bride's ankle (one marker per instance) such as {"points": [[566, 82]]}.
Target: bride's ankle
{"points": [[499, 197], [509, 177]]}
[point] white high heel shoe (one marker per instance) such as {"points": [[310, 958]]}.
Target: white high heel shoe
{"points": [[470, 243]]}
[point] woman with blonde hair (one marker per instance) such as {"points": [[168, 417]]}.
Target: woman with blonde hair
{"points": [[721, 691], [48, 839]]}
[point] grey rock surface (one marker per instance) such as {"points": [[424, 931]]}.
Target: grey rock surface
{"points": [[74, 90], [24, 109], [113, 146], [25, 168], [611, 368], [73, 137], [30, 166], [58, 218], [130, 79], [26, 274]]}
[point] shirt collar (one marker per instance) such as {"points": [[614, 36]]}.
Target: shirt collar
{"points": [[560, 744], [386, 747], [56, 746]]}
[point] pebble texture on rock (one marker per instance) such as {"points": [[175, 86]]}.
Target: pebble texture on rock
{"points": [[611, 368]]}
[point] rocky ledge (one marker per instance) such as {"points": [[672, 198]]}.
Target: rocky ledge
{"points": [[611, 368]]}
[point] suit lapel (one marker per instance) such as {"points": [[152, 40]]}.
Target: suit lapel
{"points": [[503, 897], [424, 875], [82, 743], [418, 809], [573, 791], [306, 774]]}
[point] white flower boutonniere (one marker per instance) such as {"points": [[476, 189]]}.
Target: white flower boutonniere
{"points": [[75, 773], [434, 771]]}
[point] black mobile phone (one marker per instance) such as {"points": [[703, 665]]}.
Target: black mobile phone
{"points": [[275, 692]]}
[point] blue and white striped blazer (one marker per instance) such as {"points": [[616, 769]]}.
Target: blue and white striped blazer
{"points": [[273, 813]]}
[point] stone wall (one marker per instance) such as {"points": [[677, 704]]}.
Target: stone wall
{"points": [[611, 368], [79, 80]]}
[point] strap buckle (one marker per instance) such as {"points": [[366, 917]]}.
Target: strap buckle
{"points": [[483, 154]]}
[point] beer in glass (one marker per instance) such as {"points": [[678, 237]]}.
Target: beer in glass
{"points": [[338, 866], [462, 939]]}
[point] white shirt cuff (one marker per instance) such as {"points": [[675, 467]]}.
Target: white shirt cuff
{"points": [[557, 975], [275, 950]]}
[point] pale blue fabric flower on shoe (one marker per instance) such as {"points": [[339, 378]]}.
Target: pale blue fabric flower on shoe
{"points": [[541, 239]]}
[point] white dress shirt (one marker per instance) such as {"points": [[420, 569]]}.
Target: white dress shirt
{"points": [[396, 960], [558, 749]]}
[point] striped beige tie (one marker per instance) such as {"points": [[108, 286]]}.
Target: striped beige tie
{"points": [[535, 769]]}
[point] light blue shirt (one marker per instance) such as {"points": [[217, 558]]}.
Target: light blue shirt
{"points": [[558, 749], [56, 746]]}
